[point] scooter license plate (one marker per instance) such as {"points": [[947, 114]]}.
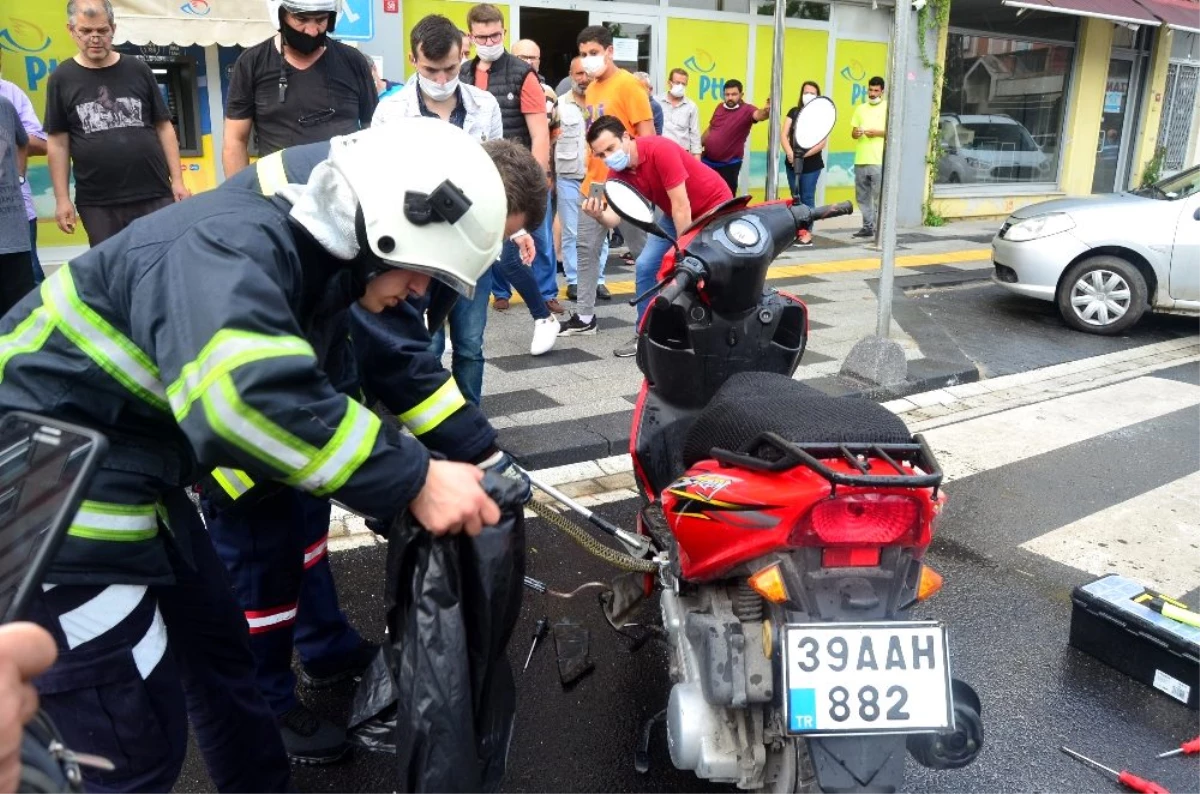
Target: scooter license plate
{"points": [[865, 678]]}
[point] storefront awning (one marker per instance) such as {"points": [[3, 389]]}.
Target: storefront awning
{"points": [[1177, 14], [1126, 11], [187, 22]]}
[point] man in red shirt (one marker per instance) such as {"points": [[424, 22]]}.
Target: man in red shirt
{"points": [[665, 173], [724, 141]]}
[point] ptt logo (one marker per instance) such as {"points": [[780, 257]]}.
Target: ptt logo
{"points": [[856, 73], [703, 63], [198, 8], [693, 64], [25, 38]]}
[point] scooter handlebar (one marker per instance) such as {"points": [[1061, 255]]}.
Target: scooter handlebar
{"points": [[682, 280], [804, 216]]}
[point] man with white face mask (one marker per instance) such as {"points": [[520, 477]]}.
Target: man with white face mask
{"points": [[435, 91], [515, 85], [681, 116]]}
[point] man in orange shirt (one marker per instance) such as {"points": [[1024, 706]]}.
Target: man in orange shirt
{"points": [[613, 92]]}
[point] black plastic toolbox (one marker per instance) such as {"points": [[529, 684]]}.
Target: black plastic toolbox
{"points": [[1108, 624]]}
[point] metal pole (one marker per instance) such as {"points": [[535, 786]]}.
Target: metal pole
{"points": [[776, 98], [897, 81]]}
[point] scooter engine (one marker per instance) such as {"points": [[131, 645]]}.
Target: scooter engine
{"points": [[720, 707]]}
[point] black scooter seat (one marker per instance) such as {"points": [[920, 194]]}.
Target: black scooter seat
{"points": [[752, 403]]}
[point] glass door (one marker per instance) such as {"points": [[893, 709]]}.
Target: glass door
{"points": [[1114, 139], [635, 45]]}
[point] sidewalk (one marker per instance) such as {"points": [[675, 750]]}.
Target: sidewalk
{"points": [[575, 402]]}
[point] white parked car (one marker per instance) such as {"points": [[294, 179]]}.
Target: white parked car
{"points": [[989, 148], [1107, 259]]}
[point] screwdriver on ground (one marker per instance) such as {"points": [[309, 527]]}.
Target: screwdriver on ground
{"points": [[1125, 778], [1187, 748], [539, 631]]}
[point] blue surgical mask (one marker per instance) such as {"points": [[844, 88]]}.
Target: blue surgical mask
{"points": [[618, 160]]}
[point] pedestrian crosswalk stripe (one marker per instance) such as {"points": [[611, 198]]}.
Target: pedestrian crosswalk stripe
{"points": [[1153, 538], [992, 441]]}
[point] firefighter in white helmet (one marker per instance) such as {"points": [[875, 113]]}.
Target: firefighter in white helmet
{"points": [[183, 340], [299, 86]]}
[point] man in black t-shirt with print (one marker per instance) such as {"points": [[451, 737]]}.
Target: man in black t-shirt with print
{"points": [[106, 118], [297, 87]]}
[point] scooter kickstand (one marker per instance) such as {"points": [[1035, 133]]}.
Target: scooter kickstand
{"points": [[641, 756]]}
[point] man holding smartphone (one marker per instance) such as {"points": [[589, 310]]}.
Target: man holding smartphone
{"points": [[869, 127], [678, 184]]}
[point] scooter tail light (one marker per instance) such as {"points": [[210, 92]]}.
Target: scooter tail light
{"points": [[861, 519], [768, 583]]}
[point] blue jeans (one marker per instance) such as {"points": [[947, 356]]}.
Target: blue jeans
{"points": [[544, 267], [804, 187], [649, 261], [509, 271], [38, 275], [569, 198], [467, 321]]}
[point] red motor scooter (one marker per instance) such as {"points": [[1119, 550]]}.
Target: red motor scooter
{"points": [[791, 528]]}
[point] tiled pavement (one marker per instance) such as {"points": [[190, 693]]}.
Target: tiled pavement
{"points": [[574, 403]]}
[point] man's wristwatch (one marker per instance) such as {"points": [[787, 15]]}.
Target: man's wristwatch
{"points": [[20, 179]]}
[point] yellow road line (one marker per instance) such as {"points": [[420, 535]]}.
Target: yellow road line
{"points": [[783, 272]]}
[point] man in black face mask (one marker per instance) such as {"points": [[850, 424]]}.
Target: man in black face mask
{"points": [[297, 87]]}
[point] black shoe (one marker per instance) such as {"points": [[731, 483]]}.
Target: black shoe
{"points": [[577, 327], [864, 232], [324, 673], [572, 292], [309, 739], [602, 293]]}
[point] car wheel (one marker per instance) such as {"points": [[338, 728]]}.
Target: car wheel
{"points": [[955, 179], [1102, 295]]}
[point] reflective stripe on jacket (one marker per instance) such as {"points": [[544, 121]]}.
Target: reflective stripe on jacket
{"points": [[181, 339]]}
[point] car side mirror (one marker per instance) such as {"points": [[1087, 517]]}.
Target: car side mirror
{"points": [[1196, 214]]}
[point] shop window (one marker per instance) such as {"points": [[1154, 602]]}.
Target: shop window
{"points": [[732, 6], [798, 9], [1002, 110]]}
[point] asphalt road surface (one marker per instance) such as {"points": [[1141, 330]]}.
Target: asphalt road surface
{"points": [[1008, 611]]}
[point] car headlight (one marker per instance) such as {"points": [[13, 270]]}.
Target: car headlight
{"points": [[976, 163], [1040, 226]]}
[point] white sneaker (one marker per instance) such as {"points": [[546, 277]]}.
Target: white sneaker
{"points": [[545, 334]]}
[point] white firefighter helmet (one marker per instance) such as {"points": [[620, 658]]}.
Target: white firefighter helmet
{"points": [[303, 7], [430, 196]]}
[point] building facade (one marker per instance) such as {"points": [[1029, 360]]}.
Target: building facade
{"points": [[1046, 98]]}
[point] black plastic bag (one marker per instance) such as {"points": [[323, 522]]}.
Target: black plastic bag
{"points": [[441, 695]]}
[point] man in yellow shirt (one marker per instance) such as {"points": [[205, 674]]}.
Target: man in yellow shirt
{"points": [[870, 125]]}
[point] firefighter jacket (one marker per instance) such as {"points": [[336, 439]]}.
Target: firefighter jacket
{"points": [[384, 357], [184, 340]]}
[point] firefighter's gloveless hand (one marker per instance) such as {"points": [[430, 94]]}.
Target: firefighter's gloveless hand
{"points": [[453, 501], [26, 651]]}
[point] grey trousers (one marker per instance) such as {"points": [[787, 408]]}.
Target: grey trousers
{"points": [[589, 242], [868, 184]]}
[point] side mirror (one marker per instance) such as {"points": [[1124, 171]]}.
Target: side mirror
{"points": [[814, 123], [632, 206]]}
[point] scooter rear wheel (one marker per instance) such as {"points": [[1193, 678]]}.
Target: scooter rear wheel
{"points": [[791, 770]]}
